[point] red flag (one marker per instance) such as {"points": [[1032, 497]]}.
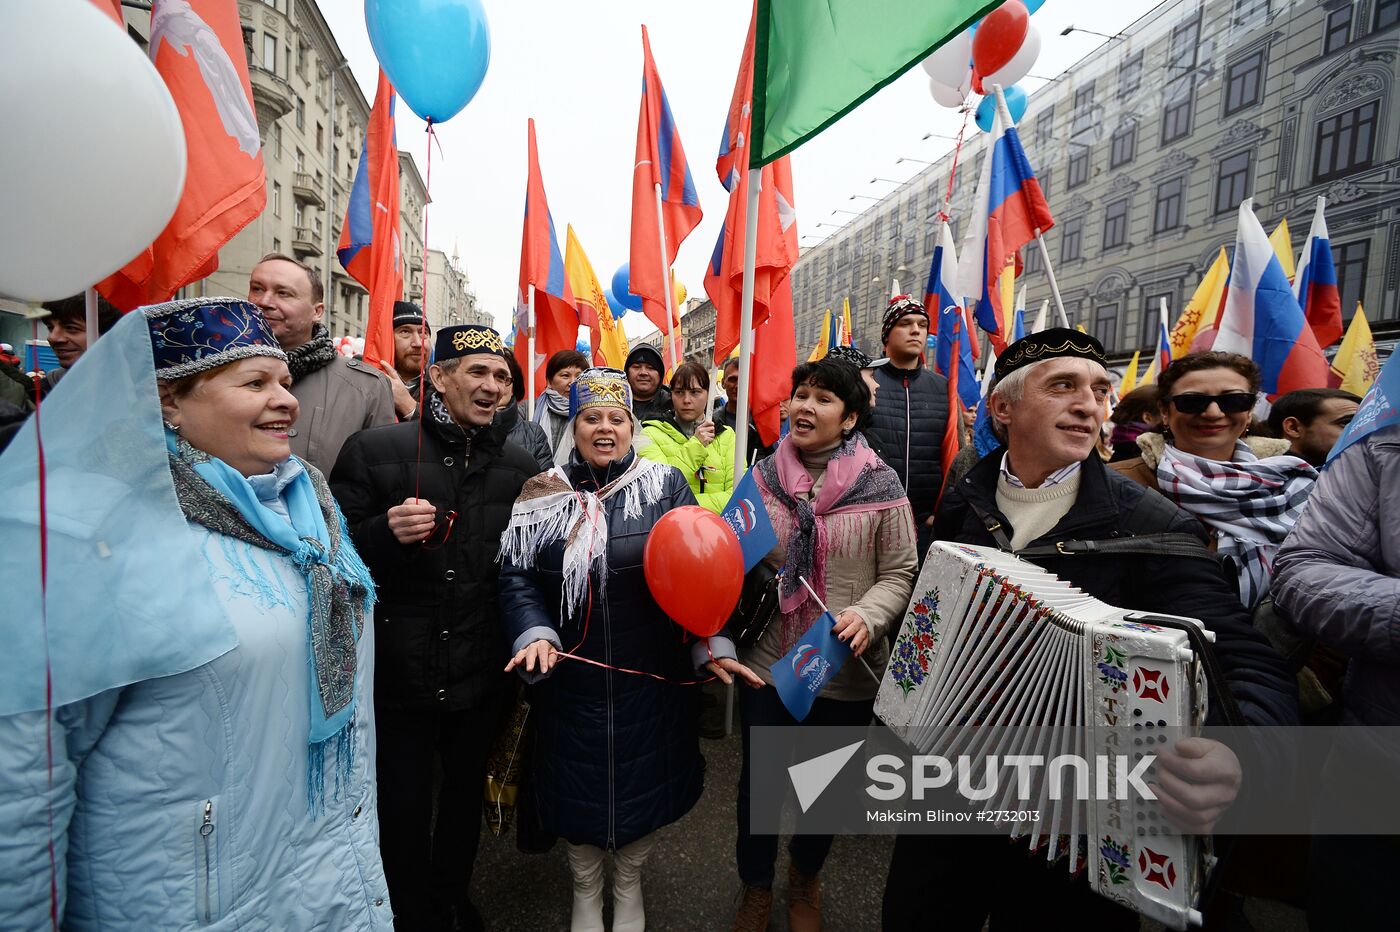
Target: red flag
{"points": [[556, 319], [776, 247], [774, 357], [660, 162], [197, 46], [111, 9], [952, 431], [370, 236]]}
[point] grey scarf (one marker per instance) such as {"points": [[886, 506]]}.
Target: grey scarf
{"points": [[313, 355]]}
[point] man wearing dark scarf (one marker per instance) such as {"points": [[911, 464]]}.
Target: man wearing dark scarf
{"points": [[338, 396], [428, 522]]}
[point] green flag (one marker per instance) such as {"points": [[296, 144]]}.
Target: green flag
{"points": [[815, 61]]}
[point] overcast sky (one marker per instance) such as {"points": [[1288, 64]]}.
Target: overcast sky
{"points": [[576, 68]]}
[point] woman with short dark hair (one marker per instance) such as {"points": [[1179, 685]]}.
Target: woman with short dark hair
{"points": [[844, 525], [689, 439], [552, 407], [1245, 490]]}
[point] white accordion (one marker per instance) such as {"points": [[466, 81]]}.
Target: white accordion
{"points": [[992, 640]]}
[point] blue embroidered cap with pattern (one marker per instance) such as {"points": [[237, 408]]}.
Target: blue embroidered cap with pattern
{"points": [[199, 334]]}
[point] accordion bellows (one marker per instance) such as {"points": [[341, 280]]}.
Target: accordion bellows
{"points": [[997, 656]]}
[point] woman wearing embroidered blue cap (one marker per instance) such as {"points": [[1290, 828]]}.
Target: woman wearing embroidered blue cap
{"points": [[211, 733], [617, 748]]}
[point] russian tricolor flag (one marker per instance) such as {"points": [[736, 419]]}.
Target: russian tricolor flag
{"points": [[1009, 210], [1315, 284], [1262, 318], [943, 308], [556, 318]]}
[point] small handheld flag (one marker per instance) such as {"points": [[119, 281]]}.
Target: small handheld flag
{"points": [[748, 517], [802, 673], [1379, 409]]}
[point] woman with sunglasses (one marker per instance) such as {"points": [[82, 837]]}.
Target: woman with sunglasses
{"points": [[1245, 490]]}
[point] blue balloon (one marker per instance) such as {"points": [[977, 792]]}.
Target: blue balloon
{"points": [[1033, 5], [1016, 101], [583, 347], [613, 304], [435, 52], [627, 299]]}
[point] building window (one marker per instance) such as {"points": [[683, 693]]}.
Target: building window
{"points": [[1232, 181], [930, 242], [876, 227], [276, 199], [1032, 261], [914, 207], [301, 59], [1115, 224], [1338, 30], [1244, 82], [1186, 40], [1171, 197], [276, 244], [1346, 142], [1246, 10], [1130, 75], [1124, 145], [1045, 125], [270, 53], [1083, 118], [1151, 315], [320, 137], [1176, 115], [300, 160], [298, 218], [1106, 325], [909, 250], [1044, 180], [1351, 260], [1387, 14], [1070, 239], [301, 114], [277, 140], [1078, 167]]}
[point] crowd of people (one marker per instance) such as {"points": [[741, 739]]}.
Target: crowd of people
{"points": [[391, 556]]}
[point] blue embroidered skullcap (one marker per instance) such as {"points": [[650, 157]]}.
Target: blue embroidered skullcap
{"points": [[199, 334], [599, 387]]}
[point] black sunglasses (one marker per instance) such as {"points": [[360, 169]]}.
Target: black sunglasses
{"points": [[1229, 403]]}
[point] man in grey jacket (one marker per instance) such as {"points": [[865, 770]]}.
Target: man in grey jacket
{"points": [[1338, 577], [339, 396]]}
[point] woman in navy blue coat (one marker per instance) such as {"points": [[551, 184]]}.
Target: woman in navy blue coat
{"points": [[616, 751]]}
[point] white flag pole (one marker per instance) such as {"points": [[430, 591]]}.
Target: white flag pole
{"points": [[90, 312], [670, 287], [741, 416], [1005, 114], [530, 350]]}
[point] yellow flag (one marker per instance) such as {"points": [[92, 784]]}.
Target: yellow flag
{"points": [[823, 340], [1007, 282], [1080, 328], [1203, 309], [847, 338], [593, 305], [1130, 377], [1356, 363], [1283, 247]]}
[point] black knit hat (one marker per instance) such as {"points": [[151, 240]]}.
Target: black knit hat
{"points": [[901, 306], [1049, 344], [406, 312]]}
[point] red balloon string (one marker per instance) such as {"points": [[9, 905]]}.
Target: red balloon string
{"points": [[953, 172], [423, 359], [654, 676], [44, 624]]}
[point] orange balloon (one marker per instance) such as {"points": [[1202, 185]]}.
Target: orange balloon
{"points": [[694, 568]]}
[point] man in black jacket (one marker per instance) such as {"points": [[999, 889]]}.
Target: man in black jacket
{"points": [[651, 400], [1048, 485], [439, 685], [911, 411]]}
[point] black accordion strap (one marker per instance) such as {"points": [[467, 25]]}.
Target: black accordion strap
{"points": [[1148, 545]]}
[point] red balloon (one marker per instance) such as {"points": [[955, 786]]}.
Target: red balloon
{"points": [[997, 40], [694, 568]]}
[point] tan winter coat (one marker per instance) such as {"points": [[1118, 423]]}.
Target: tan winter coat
{"points": [[869, 569], [338, 400]]}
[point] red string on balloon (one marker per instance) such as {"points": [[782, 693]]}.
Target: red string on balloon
{"points": [[44, 626], [953, 172], [654, 676], [423, 358]]}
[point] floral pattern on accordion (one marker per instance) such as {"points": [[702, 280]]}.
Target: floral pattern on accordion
{"points": [[913, 651], [1111, 666], [1114, 860]]}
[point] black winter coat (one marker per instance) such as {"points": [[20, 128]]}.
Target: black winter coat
{"points": [[437, 623], [616, 755], [1107, 507], [658, 408], [911, 413], [527, 435]]}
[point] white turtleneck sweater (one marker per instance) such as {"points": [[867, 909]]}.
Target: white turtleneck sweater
{"points": [[1033, 512]]}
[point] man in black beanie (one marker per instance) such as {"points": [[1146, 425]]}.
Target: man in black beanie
{"points": [[411, 336], [651, 400]]}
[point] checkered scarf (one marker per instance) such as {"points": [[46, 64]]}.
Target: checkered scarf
{"points": [[1250, 503]]}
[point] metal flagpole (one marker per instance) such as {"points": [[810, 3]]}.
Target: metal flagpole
{"points": [[90, 312], [741, 416], [822, 604], [1005, 114], [670, 288], [530, 349]]}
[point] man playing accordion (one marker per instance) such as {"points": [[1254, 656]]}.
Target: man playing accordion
{"points": [[1047, 484]]}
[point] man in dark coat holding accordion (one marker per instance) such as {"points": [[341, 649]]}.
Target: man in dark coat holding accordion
{"points": [[1047, 485]]}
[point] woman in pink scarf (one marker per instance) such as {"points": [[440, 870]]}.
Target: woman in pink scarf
{"points": [[844, 524]]}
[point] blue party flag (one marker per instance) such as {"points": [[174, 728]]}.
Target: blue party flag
{"points": [[748, 517], [802, 673], [1379, 409]]}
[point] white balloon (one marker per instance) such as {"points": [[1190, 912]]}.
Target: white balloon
{"points": [[1020, 65], [949, 63], [944, 95], [94, 156]]}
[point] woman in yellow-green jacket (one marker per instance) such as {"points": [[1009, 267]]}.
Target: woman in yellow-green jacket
{"points": [[690, 441]]}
